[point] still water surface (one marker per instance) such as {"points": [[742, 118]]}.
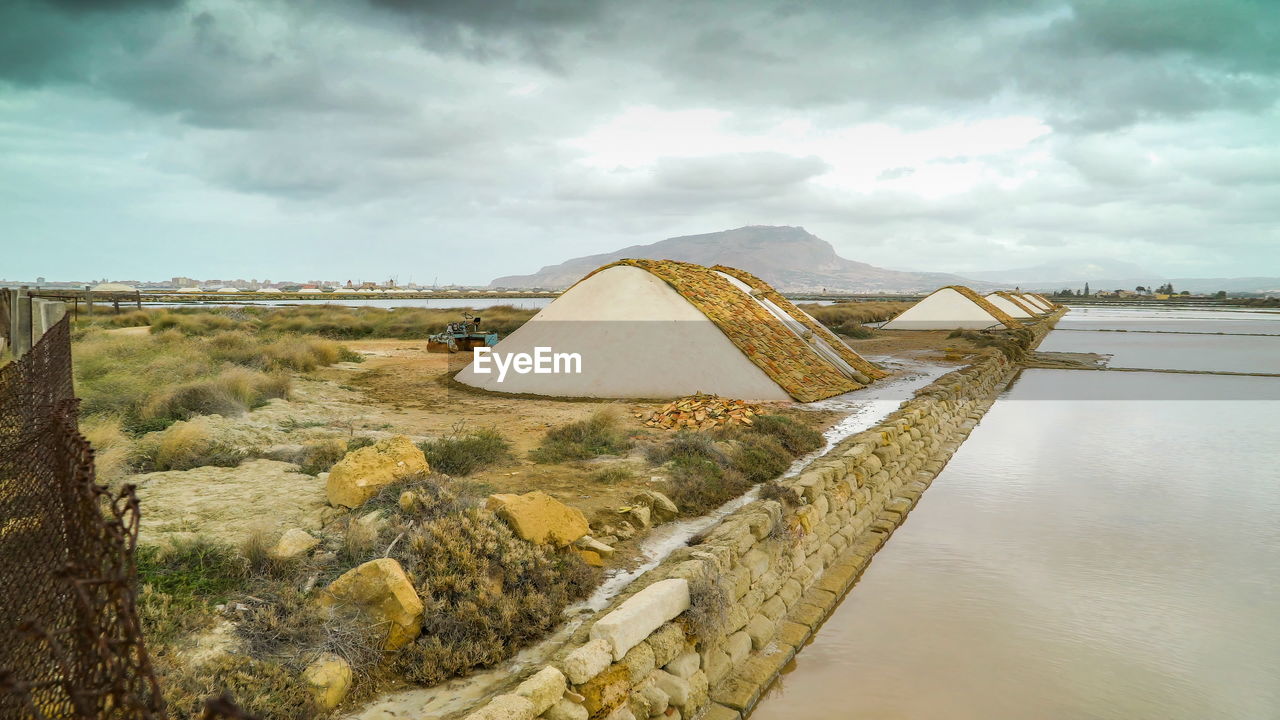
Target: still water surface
{"points": [[1114, 558]]}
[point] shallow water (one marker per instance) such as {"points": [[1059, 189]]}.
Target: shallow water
{"points": [[1092, 551], [531, 303]]}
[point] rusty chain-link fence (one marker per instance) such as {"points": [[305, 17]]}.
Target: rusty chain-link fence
{"points": [[70, 641]]}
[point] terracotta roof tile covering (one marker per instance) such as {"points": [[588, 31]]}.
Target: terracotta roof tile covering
{"points": [[766, 342], [846, 353], [701, 412], [1030, 309], [985, 304]]}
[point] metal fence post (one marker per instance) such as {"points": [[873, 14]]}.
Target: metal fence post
{"points": [[20, 322]]}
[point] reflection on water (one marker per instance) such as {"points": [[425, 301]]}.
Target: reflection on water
{"points": [[1109, 559]]}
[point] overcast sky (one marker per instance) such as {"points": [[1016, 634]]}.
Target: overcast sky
{"points": [[467, 139]]}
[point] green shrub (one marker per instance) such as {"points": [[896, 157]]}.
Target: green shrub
{"points": [[698, 484], [613, 475], [181, 584], [321, 456], [797, 438], [464, 452], [582, 440], [759, 457]]}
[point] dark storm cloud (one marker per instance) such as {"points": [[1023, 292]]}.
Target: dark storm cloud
{"points": [[468, 117]]}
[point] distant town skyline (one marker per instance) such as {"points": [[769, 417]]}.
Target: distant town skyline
{"points": [[472, 140]]}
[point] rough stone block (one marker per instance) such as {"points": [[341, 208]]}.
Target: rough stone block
{"points": [[606, 692], [505, 707], [757, 561], [761, 631], [544, 689], [566, 710], [718, 664], [773, 608], [684, 665], [738, 646], [639, 662], [793, 633], [676, 688], [641, 614], [667, 643], [588, 661]]}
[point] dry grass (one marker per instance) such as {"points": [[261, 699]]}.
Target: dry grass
{"points": [[848, 318], [184, 445], [112, 448], [600, 434], [463, 452], [329, 321], [149, 382]]}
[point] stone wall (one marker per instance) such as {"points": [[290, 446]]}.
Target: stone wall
{"points": [[708, 630]]}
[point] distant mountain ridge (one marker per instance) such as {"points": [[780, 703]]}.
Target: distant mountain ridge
{"points": [[789, 258]]}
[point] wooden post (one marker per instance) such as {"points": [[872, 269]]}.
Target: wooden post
{"points": [[6, 303], [137, 298], [88, 301], [20, 322]]}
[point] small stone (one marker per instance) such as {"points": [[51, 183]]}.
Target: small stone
{"points": [[293, 543], [590, 557], [330, 678], [586, 542], [640, 515]]}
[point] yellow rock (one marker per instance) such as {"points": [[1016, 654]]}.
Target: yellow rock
{"points": [[591, 557], [540, 518], [293, 543], [330, 679], [363, 472], [382, 591]]}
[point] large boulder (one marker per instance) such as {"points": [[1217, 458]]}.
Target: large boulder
{"points": [[381, 590], [540, 518], [362, 473]]}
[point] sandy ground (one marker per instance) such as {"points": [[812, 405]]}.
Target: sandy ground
{"points": [[402, 389]]}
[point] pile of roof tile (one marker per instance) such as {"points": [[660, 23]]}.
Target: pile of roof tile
{"points": [[701, 412]]}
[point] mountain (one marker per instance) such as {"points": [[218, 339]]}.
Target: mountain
{"points": [[789, 258], [1059, 271]]}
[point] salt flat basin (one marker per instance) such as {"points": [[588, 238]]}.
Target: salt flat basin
{"points": [[1171, 351], [1094, 550]]}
